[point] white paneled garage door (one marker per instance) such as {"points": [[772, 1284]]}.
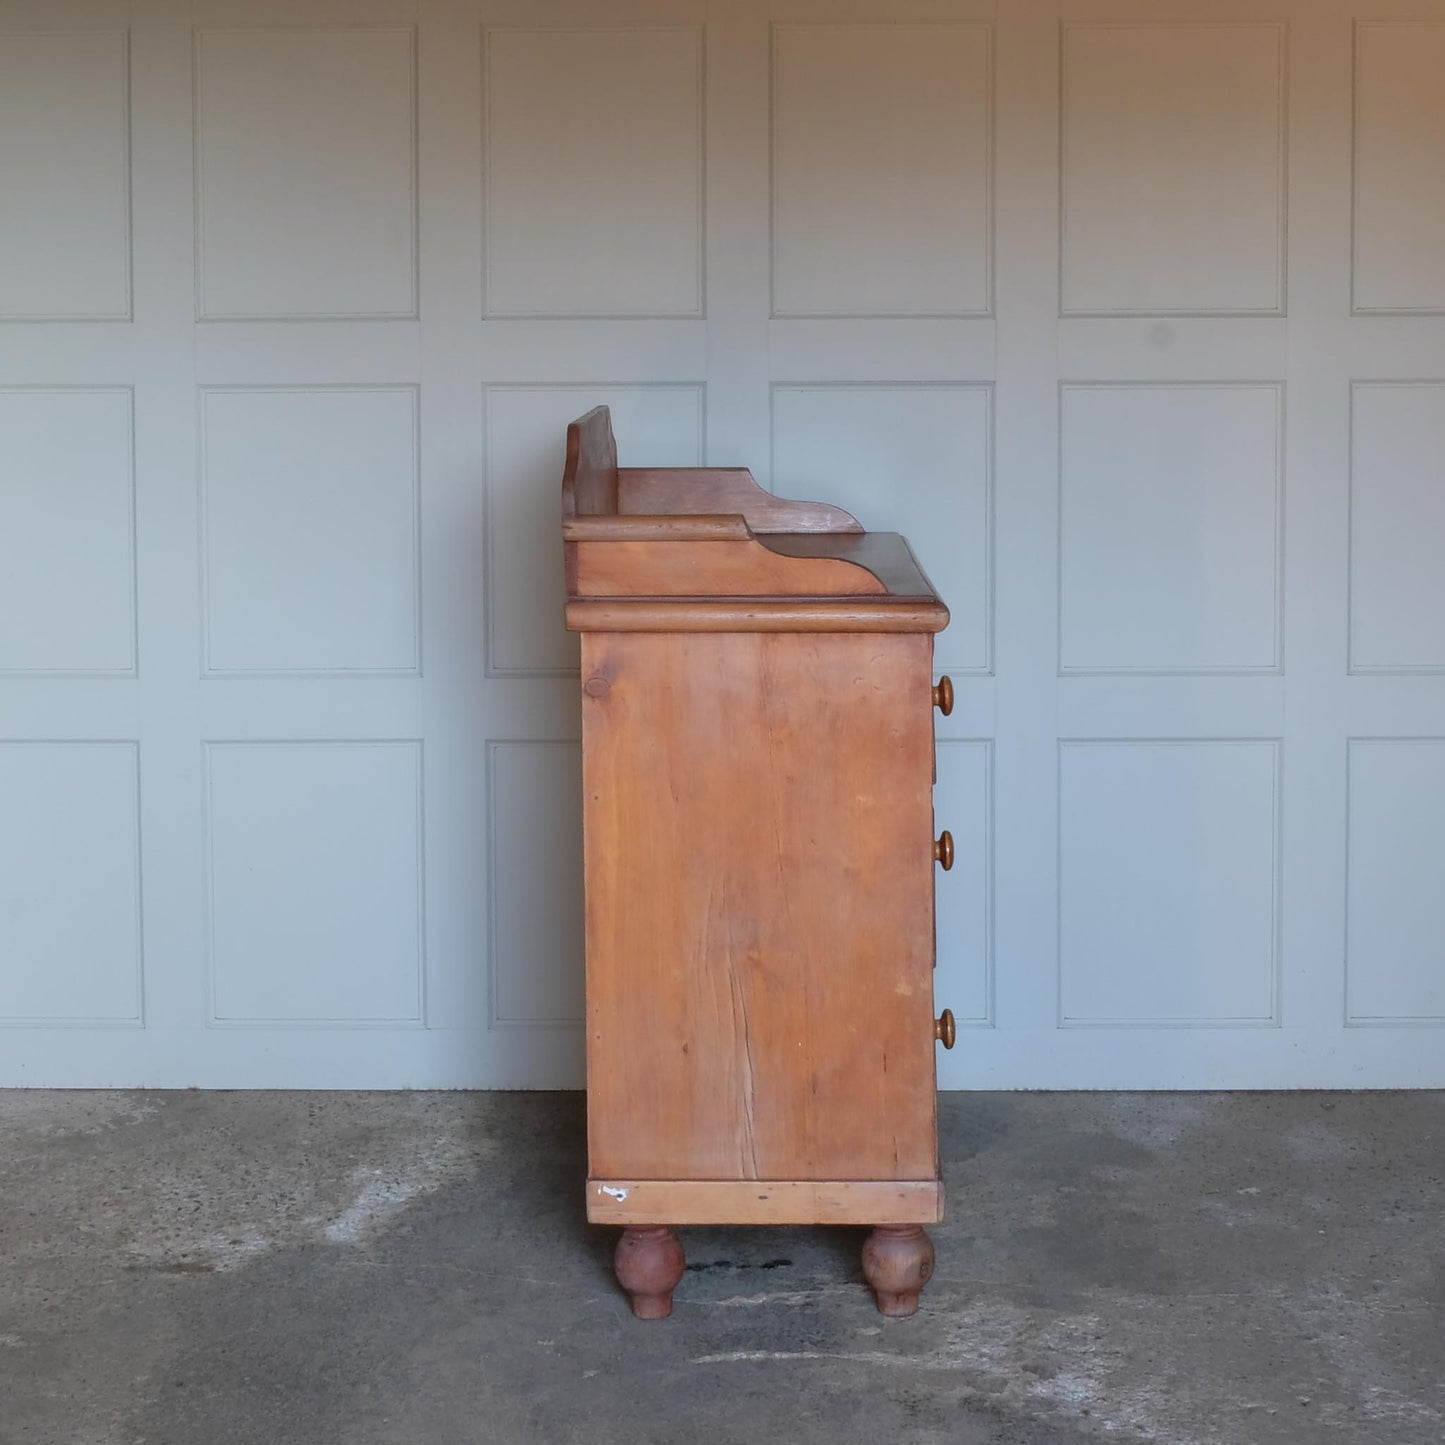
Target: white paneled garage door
{"points": [[1130, 312]]}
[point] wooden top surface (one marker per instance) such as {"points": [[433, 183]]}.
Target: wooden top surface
{"points": [[708, 549], [716, 579]]}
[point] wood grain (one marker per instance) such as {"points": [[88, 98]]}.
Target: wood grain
{"points": [[731, 567], [759, 871], [772, 1201], [885, 554]]}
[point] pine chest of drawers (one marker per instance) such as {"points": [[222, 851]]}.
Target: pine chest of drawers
{"points": [[757, 736]]}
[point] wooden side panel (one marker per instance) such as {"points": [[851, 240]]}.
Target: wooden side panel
{"points": [[759, 880], [885, 554], [737, 567], [589, 480]]}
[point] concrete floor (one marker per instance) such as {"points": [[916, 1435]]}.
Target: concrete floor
{"points": [[350, 1269]]}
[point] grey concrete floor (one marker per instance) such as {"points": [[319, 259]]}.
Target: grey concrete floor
{"points": [[198, 1269]]}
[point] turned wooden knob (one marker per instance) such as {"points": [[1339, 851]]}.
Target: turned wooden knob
{"points": [[943, 695], [943, 850], [944, 1028]]}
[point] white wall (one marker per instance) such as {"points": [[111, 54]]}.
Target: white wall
{"points": [[1130, 312]]}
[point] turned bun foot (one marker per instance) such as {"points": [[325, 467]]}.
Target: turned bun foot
{"points": [[897, 1263], [649, 1265]]}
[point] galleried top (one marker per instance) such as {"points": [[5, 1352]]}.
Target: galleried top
{"points": [[706, 549]]}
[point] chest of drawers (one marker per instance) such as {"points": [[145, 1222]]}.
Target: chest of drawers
{"points": [[757, 735]]}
